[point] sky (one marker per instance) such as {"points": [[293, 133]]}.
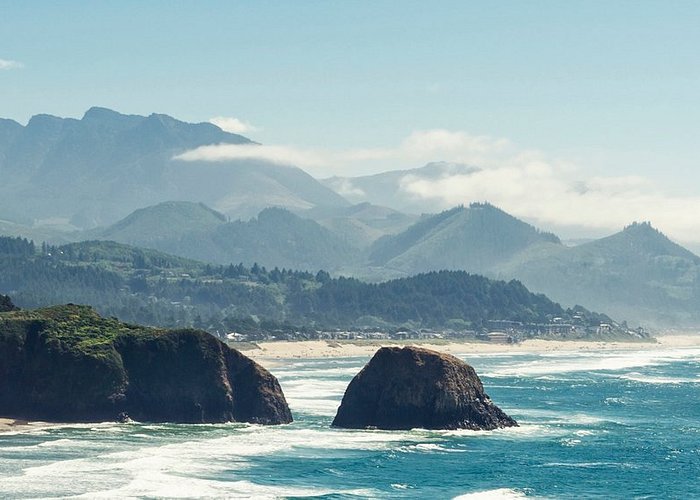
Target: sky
{"points": [[595, 104]]}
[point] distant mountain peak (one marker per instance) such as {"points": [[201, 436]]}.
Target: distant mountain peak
{"points": [[642, 227], [43, 120], [100, 112], [644, 239], [644, 230]]}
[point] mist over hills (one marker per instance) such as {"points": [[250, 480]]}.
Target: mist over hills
{"points": [[637, 273], [360, 224], [96, 170], [389, 188]]}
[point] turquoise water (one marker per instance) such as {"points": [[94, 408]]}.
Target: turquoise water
{"points": [[593, 425]]}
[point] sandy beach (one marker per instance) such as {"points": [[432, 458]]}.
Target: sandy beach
{"points": [[326, 349], [11, 424]]}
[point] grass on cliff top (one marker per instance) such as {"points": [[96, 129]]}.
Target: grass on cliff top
{"points": [[77, 327]]}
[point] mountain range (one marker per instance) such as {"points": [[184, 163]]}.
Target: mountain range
{"points": [[637, 274], [275, 238], [94, 171], [110, 176]]}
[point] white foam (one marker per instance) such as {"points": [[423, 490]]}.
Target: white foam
{"points": [[523, 431], [500, 493], [583, 465], [647, 379], [313, 406], [348, 372], [429, 448], [182, 469], [554, 363], [168, 486], [314, 387]]}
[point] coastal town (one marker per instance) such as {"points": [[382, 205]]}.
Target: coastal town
{"points": [[495, 331]]}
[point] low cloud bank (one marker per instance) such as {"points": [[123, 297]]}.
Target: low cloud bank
{"points": [[526, 183]]}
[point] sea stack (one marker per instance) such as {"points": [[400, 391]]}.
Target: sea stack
{"points": [[411, 387], [68, 364]]}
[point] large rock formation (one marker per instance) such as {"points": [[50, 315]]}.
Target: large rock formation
{"points": [[418, 388], [6, 304], [67, 363]]}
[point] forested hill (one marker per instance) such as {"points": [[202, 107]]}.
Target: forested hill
{"points": [[475, 238], [275, 237], [154, 288]]}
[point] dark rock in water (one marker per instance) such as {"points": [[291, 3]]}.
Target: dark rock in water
{"points": [[123, 418], [67, 363], [418, 388], [6, 304]]}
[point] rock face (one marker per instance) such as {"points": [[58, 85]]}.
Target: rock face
{"points": [[66, 363], [410, 387], [6, 304]]}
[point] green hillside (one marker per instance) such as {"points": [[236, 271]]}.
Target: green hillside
{"points": [[149, 287], [636, 273], [276, 237], [166, 222], [475, 239]]}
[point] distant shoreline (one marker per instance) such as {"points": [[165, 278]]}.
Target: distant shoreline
{"points": [[15, 424], [276, 350]]}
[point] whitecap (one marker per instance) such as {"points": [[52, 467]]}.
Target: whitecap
{"points": [[555, 363], [500, 493], [647, 379]]}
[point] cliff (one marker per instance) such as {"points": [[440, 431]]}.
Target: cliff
{"points": [[6, 304], [410, 387], [67, 363]]}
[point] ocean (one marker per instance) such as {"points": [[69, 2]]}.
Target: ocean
{"points": [[595, 424]]}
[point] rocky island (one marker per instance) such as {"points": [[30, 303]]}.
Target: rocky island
{"points": [[410, 387], [67, 363]]}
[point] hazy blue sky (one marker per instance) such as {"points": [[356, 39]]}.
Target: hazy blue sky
{"points": [[610, 86]]}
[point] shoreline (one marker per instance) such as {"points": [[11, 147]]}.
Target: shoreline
{"points": [[15, 424], [306, 349]]}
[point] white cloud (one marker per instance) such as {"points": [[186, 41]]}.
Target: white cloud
{"points": [[554, 197], [233, 125], [417, 149], [421, 147], [283, 155], [7, 64], [529, 184]]}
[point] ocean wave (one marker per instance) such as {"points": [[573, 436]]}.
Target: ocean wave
{"points": [[167, 486], [548, 365], [319, 372], [428, 448], [313, 388], [523, 431], [499, 493], [657, 380], [206, 466], [313, 406], [588, 465]]}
